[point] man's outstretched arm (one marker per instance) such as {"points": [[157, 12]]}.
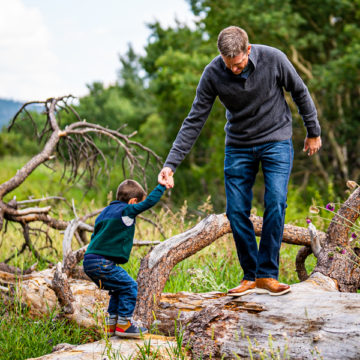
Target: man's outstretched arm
{"points": [[190, 129]]}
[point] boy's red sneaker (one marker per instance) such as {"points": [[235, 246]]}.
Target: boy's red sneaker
{"points": [[129, 328]]}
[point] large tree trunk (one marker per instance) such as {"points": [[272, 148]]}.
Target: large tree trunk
{"points": [[336, 258], [80, 298], [338, 263]]}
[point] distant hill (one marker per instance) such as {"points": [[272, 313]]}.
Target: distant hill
{"points": [[8, 109]]}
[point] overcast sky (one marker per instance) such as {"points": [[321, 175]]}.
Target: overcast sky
{"points": [[55, 47]]}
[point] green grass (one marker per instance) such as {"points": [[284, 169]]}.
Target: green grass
{"points": [[22, 336]]}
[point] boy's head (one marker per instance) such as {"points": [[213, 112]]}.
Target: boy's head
{"points": [[130, 189]]}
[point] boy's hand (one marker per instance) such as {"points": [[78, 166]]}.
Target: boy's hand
{"points": [[312, 145], [166, 177]]}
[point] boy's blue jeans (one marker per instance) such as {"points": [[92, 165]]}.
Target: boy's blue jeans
{"points": [[240, 168], [122, 288]]}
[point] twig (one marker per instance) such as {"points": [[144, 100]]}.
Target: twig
{"points": [[152, 223], [40, 200], [145, 242]]}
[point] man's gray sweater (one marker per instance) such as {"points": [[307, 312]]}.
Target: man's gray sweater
{"points": [[256, 110]]}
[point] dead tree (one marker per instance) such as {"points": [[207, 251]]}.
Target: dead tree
{"points": [[77, 147]]}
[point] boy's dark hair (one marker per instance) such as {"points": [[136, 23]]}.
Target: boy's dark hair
{"points": [[129, 189]]}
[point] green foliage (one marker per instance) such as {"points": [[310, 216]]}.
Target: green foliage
{"points": [[322, 39], [23, 137]]}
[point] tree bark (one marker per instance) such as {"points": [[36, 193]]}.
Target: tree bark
{"points": [[313, 317], [339, 228], [115, 348], [337, 259]]}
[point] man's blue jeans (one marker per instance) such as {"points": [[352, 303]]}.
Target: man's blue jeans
{"points": [[122, 288], [241, 166]]}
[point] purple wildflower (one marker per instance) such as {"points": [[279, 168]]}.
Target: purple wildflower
{"points": [[353, 235], [308, 220], [343, 251], [330, 207]]}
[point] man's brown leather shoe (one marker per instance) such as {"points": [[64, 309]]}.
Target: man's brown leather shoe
{"points": [[271, 286], [245, 287]]}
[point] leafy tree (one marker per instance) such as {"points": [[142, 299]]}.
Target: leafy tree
{"points": [[322, 39]]}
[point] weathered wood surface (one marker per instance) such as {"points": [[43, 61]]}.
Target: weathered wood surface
{"points": [[113, 350], [35, 290], [313, 317], [336, 259], [345, 217]]}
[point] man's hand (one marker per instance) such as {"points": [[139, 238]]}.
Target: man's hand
{"points": [[312, 145], [166, 178]]}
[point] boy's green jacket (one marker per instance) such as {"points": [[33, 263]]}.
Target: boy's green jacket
{"points": [[115, 227]]}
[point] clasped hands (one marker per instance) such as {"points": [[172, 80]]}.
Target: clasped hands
{"points": [[166, 177]]}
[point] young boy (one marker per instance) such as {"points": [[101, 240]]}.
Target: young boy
{"points": [[111, 244]]}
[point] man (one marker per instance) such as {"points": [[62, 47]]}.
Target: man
{"points": [[249, 81]]}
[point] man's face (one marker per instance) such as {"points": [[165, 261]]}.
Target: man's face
{"points": [[238, 63]]}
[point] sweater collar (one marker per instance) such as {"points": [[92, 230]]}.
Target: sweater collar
{"points": [[118, 202], [253, 55]]}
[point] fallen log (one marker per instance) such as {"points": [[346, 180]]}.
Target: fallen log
{"points": [[307, 321], [314, 319]]}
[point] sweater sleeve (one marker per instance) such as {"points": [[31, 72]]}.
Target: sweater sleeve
{"points": [[293, 83], [135, 209], [194, 122]]}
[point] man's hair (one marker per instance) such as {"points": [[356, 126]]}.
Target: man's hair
{"points": [[129, 189], [232, 41]]}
